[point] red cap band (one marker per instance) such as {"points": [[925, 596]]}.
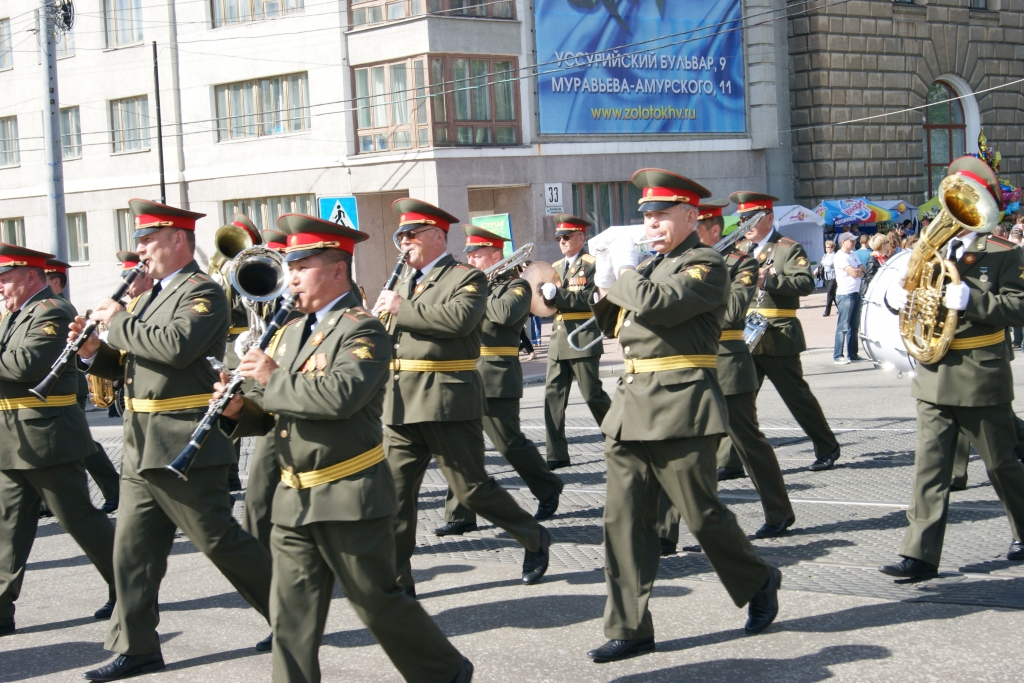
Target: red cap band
{"points": [[129, 264], [55, 269], [709, 212], [477, 241], [253, 235], [319, 240], [276, 246], [30, 261], [978, 178], [413, 218], [571, 226], [146, 220], [669, 194], [759, 205]]}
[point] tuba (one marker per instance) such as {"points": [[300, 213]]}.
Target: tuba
{"points": [[926, 326], [101, 391], [230, 241], [258, 275]]}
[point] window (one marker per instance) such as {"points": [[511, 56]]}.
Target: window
{"points": [[264, 211], [129, 120], [227, 12], [66, 44], [70, 133], [944, 133], [12, 231], [606, 204], [78, 237], [124, 22], [6, 53], [391, 106], [268, 106], [10, 154], [480, 93], [978, 4], [376, 11], [125, 229]]}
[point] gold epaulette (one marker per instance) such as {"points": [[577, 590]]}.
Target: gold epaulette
{"points": [[133, 303], [276, 339], [587, 258]]}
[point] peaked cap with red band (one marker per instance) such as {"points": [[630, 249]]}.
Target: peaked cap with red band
{"points": [[976, 169], [413, 213], [151, 216], [55, 266], [273, 239], [13, 256], [660, 189], [478, 238], [567, 224], [712, 208], [308, 236], [240, 220], [128, 259], [750, 202]]}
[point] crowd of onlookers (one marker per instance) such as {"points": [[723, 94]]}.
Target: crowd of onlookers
{"points": [[850, 262]]}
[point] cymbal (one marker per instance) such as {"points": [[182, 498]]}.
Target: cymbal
{"points": [[537, 274]]}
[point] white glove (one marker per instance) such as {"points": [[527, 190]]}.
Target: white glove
{"points": [[240, 342], [548, 291], [895, 295], [623, 255], [604, 276], [957, 297]]}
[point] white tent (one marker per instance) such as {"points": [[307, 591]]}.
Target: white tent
{"points": [[803, 225]]}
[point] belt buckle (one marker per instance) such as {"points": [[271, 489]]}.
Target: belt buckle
{"points": [[558, 316], [397, 364], [628, 366], [293, 479]]}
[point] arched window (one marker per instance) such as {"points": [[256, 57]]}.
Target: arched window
{"points": [[944, 133]]}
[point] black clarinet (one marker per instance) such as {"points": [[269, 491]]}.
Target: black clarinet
{"points": [[42, 390], [183, 462], [384, 316]]}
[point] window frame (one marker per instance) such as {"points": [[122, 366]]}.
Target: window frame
{"points": [[370, 12], [623, 204], [415, 97], [10, 146], [217, 18], [117, 111], [78, 237], [928, 127], [6, 46], [111, 28], [450, 92], [18, 225], [262, 212], [73, 148], [124, 221], [226, 128]]}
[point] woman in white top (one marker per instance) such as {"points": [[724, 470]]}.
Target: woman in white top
{"points": [[827, 274]]}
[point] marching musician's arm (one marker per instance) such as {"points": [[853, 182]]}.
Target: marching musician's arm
{"points": [[697, 288], [108, 363], [456, 317], [185, 338], [740, 295], [1005, 306], [790, 278], [251, 420], [509, 307], [31, 360]]}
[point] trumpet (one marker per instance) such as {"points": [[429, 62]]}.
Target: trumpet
{"points": [[517, 258], [42, 390]]}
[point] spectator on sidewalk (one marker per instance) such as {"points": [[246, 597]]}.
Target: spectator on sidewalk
{"points": [[863, 251], [849, 272], [881, 249], [827, 274]]}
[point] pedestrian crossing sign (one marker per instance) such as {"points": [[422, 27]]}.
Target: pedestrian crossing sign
{"points": [[340, 210]]}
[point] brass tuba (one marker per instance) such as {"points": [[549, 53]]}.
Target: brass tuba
{"points": [[258, 275], [230, 241], [101, 391], [927, 327]]}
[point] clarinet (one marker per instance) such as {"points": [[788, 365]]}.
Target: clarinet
{"points": [[183, 462], [42, 390], [384, 316]]}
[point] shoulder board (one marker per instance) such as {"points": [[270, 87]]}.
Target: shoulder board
{"points": [[558, 264], [357, 313], [587, 258], [132, 304], [46, 304], [1000, 242], [275, 341], [292, 322], [787, 241], [463, 266], [198, 278], [737, 255]]}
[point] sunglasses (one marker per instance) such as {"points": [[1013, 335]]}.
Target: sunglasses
{"points": [[564, 238], [414, 234]]}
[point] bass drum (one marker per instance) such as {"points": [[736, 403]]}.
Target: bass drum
{"points": [[879, 327]]}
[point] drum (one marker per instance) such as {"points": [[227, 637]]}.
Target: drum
{"points": [[879, 327], [755, 328]]}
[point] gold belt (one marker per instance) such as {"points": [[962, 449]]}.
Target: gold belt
{"points": [[731, 335], [775, 312], [580, 315], [635, 365], [346, 468], [161, 405], [405, 365], [33, 402], [499, 351], [238, 330], [978, 342]]}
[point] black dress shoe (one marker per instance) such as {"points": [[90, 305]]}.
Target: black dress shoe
{"points": [[110, 506], [777, 529], [44, 512], [910, 568], [125, 666], [764, 606], [692, 549], [465, 674], [535, 564], [667, 547], [266, 645], [1016, 552], [6, 626], [958, 486], [547, 508], [826, 463], [410, 591], [106, 611], [455, 528], [727, 473], [558, 464], [615, 650]]}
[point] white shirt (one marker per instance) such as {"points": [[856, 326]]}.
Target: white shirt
{"points": [[761, 245], [327, 309], [569, 260], [427, 268], [846, 283], [967, 240]]}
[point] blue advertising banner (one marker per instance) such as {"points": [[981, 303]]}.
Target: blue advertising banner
{"points": [[640, 66]]}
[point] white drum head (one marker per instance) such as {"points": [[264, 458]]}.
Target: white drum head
{"points": [[879, 327]]}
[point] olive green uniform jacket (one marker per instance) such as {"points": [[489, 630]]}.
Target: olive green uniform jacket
{"points": [[736, 371], [508, 309], [49, 435], [574, 296], [673, 306], [324, 406], [980, 377], [791, 280], [169, 344], [439, 321]]}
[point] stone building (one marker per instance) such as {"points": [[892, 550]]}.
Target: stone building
{"points": [[857, 66]]}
